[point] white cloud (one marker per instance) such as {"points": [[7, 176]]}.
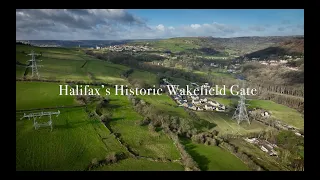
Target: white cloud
{"points": [[160, 27], [195, 26], [79, 24]]}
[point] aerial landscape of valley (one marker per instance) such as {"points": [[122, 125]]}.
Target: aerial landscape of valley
{"points": [[106, 90]]}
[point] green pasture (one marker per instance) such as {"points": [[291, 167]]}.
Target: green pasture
{"points": [[213, 158], [131, 164]]}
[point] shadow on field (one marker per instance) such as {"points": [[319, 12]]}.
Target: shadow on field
{"points": [[69, 125], [113, 106], [201, 160], [204, 124], [117, 119]]}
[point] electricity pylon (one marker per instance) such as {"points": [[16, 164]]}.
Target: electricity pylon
{"points": [[241, 111], [34, 65]]}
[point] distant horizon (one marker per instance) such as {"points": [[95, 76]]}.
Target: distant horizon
{"points": [[152, 39], [127, 24]]}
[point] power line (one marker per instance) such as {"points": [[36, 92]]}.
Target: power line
{"points": [[241, 111], [34, 65], [36, 124]]}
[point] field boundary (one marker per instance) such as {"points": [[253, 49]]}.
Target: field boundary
{"points": [[66, 81], [61, 107]]}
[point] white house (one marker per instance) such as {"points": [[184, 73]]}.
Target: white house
{"points": [[219, 109], [213, 103], [208, 107], [199, 109], [253, 140], [298, 134], [195, 102], [194, 97], [265, 114], [204, 100], [183, 104], [264, 149], [283, 61]]}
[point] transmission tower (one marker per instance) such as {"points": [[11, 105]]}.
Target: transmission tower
{"points": [[241, 111], [36, 124], [34, 65]]}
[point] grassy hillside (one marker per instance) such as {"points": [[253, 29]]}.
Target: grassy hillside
{"points": [[174, 44], [105, 71], [31, 95], [139, 138], [147, 77], [230, 46], [213, 158], [226, 125], [165, 104], [269, 162], [70, 64], [72, 145], [78, 137], [281, 112], [141, 165]]}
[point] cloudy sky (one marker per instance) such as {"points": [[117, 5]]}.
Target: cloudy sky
{"points": [[114, 24]]}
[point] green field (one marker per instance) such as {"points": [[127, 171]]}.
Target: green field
{"points": [[141, 165], [22, 58], [173, 44], [226, 101], [139, 138], [77, 139], [72, 145], [106, 72], [226, 125], [148, 77], [85, 139], [70, 64], [165, 104], [179, 81], [72, 70], [269, 162], [213, 158], [61, 69], [31, 95], [20, 71], [281, 112], [62, 56], [51, 50]]}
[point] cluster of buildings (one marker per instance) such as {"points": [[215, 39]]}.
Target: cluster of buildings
{"points": [[273, 57], [119, 48], [233, 68], [273, 62], [264, 145], [46, 45], [24, 42], [194, 102], [278, 61]]}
